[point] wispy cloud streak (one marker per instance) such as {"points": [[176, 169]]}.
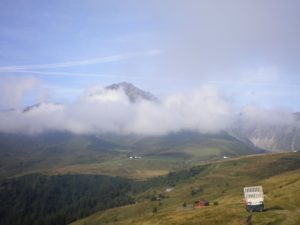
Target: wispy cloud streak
{"points": [[105, 59], [71, 74]]}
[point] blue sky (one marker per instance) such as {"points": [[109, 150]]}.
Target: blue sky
{"points": [[248, 49]]}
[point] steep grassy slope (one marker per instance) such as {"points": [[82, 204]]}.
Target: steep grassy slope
{"points": [[37, 199], [221, 182]]}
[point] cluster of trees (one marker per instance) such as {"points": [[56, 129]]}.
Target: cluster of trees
{"points": [[38, 199], [46, 200], [169, 180]]}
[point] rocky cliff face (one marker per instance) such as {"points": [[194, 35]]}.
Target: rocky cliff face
{"points": [[269, 136]]}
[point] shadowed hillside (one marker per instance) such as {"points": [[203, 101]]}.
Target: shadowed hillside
{"points": [[61, 153]]}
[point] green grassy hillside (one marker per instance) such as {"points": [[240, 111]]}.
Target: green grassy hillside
{"points": [[22, 154], [222, 184], [64, 153], [161, 154]]}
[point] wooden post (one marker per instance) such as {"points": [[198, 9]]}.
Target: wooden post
{"points": [[249, 220]]}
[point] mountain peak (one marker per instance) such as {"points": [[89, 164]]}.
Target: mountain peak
{"points": [[134, 93]]}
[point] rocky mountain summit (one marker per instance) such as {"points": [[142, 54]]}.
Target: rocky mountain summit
{"points": [[134, 94]]}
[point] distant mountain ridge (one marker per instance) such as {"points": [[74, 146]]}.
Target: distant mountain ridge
{"points": [[133, 93]]}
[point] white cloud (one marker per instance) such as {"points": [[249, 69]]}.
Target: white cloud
{"points": [[105, 111], [253, 115], [101, 110], [202, 110]]}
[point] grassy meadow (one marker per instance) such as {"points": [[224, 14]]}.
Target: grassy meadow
{"points": [[156, 162]]}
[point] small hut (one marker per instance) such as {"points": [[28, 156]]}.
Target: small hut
{"points": [[201, 203]]}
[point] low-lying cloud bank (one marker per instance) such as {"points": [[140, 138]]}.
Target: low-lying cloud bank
{"points": [[102, 110], [253, 115]]}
